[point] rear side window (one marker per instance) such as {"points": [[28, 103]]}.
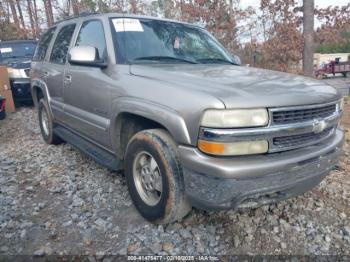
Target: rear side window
{"points": [[92, 34], [61, 45], [41, 49]]}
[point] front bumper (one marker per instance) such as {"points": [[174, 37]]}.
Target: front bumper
{"points": [[21, 89], [247, 181]]}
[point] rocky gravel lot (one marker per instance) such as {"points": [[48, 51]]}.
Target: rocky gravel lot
{"points": [[54, 200]]}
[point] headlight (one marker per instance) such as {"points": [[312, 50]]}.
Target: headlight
{"points": [[233, 148], [16, 73], [231, 118], [340, 104]]}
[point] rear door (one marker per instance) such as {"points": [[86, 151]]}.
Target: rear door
{"points": [[39, 64], [87, 92], [53, 70]]}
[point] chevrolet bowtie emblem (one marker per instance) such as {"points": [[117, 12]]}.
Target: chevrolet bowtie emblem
{"points": [[318, 126]]}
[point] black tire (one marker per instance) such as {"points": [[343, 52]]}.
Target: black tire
{"points": [[48, 135], [173, 204]]}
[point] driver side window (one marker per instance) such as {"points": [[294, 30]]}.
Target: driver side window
{"points": [[92, 34]]}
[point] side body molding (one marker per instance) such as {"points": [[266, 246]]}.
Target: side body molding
{"points": [[161, 114]]}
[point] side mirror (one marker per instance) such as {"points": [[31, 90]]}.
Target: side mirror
{"points": [[85, 56]]}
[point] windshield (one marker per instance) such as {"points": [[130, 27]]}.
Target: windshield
{"points": [[16, 50], [154, 41]]}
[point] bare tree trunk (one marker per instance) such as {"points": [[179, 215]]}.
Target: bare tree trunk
{"points": [[24, 30], [48, 12], [14, 14], [69, 3], [308, 36], [37, 27], [30, 13], [75, 7], [133, 5]]}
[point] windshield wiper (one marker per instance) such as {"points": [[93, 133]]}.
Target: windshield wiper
{"points": [[164, 58], [215, 61]]}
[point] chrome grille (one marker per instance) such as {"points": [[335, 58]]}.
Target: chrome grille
{"points": [[310, 125], [287, 142], [302, 115]]}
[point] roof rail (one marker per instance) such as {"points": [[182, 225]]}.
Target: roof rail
{"points": [[82, 14]]}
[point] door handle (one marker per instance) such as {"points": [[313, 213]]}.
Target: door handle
{"points": [[67, 79]]}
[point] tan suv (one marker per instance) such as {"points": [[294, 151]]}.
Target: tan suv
{"points": [[165, 102]]}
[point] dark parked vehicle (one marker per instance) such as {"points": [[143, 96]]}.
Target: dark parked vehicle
{"points": [[2, 108], [165, 102], [17, 56]]}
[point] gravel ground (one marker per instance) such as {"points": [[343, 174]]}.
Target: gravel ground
{"points": [[54, 200]]}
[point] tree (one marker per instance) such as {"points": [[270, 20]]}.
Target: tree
{"points": [[14, 13], [282, 47], [75, 7], [24, 30], [8, 29], [48, 12], [4, 15], [334, 33], [31, 18], [218, 17], [37, 27], [308, 37]]}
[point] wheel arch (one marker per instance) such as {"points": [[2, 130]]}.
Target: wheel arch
{"points": [[39, 90], [133, 115]]}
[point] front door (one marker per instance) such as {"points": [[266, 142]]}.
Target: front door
{"points": [[87, 89]]}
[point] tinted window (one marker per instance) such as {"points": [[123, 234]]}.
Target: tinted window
{"points": [[61, 45], [138, 39], [92, 34], [13, 50], [41, 49]]}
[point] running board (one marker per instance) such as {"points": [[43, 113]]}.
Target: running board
{"points": [[98, 154]]}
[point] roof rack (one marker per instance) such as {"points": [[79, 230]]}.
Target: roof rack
{"points": [[82, 14]]}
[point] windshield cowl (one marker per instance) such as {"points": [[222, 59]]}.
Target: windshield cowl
{"points": [[169, 59]]}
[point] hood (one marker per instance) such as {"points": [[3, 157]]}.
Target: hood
{"points": [[18, 63], [242, 87]]}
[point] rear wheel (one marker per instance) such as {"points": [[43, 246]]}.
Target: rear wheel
{"points": [[46, 124], [154, 177]]}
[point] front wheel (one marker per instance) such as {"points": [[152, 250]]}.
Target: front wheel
{"points": [[46, 124], [154, 177]]}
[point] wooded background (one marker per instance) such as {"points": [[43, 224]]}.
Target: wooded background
{"points": [[270, 36]]}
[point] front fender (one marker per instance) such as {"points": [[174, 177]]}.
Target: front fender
{"points": [[161, 114]]}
